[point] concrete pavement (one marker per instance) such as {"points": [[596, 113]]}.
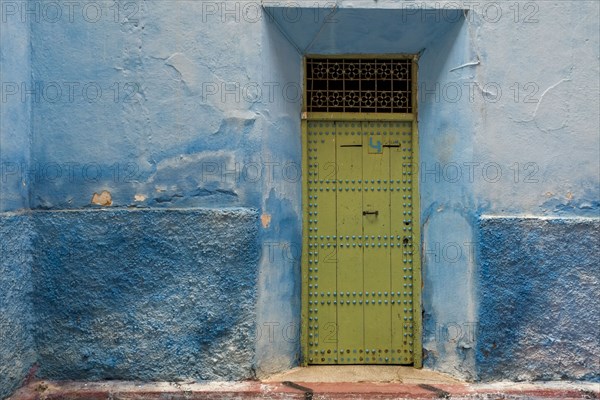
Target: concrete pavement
{"points": [[316, 382]]}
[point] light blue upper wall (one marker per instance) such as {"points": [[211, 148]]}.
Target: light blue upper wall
{"points": [[545, 123], [177, 58], [15, 79], [176, 123]]}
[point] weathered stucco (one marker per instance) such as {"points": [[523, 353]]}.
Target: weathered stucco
{"points": [[151, 295], [200, 107], [15, 114], [17, 348], [538, 299]]}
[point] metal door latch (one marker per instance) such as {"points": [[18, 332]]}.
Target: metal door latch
{"points": [[370, 212]]}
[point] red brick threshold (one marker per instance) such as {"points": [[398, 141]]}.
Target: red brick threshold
{"points": [[116, 390]]}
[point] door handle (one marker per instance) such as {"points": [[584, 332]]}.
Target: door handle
{"points": [[370, 212]]}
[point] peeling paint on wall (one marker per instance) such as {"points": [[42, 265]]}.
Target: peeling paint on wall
{"points": [[203, 114], [265, 220], [102, 199]]}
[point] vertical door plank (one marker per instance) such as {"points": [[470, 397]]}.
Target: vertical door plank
{"points": [[376, 253], [322, 324], [349, 296]]}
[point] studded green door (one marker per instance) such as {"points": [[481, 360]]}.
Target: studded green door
{"points": [[361, 263]]}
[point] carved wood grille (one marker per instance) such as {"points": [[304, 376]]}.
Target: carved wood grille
{"points": [[359, 85]]}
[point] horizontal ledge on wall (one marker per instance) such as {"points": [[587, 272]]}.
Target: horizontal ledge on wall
{"points": [[539, 217], [340, 116], [153, 209]]}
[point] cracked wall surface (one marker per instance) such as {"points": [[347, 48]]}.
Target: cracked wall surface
{"points": [[199, 107], [195, 111], [536, 263], [152, 134], [540, 131]]}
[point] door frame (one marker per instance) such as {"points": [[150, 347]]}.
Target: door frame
{"points": [[366, 117]]}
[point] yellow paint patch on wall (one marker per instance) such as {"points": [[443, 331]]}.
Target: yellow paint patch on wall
{"points": [[265, 220], [102, 199]]}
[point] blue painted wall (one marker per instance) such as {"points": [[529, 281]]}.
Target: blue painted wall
{"points": [[17, 347], [17, 351], [190, 116], [146, 295], [278, 345], [538, 299], [189, 105], [493, 129], [149, 115], [15, 112]]}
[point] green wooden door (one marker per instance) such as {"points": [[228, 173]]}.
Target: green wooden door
{"points": [[361, 271]]}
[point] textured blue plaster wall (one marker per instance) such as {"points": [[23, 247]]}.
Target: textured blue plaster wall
{"points": [[17, 349], [163, 136], [542, 129], [538, 278], [167, 140], [278, 319], [146, 295], [15, 112], [209, 125], [539, 301]]}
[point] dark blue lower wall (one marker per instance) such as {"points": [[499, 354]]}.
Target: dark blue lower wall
{"points": [[17, 350], [170, 295], [539, 303], [146, 295]]}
